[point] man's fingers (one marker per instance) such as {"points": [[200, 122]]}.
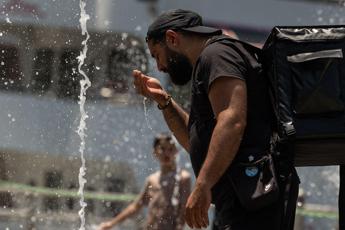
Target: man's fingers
{"points": [[200, 218], [139, 83], [143, 84], [197, 212], [204, 216], [136, 73], [136, 83], [137, 78], [199, 215], [188, 218], [194, 218], [147, 86]]}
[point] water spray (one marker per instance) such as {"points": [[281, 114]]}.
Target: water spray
{"points": [[84, 85]]}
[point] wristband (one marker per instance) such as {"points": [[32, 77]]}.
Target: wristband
{"points": [[167, 103]]}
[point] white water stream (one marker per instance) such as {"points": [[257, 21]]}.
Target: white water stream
{"points": [[84, 85], [146, 114]]}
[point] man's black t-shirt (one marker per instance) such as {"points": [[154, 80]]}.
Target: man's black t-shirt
{"points": [[227, 58]]}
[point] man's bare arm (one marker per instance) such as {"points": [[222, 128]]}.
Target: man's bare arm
{"points": [[229, 103], [177, 121], [130, 210], [228, 100]]}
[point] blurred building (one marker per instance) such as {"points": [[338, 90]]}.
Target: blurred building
{"points": [[39, 88]]}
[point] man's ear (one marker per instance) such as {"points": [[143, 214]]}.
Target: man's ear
{"points": [[171, 38]]}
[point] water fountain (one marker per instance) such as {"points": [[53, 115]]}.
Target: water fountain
{"points": [[45, 123], [84, 85], [146, 114]]}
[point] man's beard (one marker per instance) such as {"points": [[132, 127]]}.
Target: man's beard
{"points": [[178, 67]]}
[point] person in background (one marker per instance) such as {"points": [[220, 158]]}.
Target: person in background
{"points": [[165, 192]]}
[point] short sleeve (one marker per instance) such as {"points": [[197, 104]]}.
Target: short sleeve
{"points": [[220, 60]]}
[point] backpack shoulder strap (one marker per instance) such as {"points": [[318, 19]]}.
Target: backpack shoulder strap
{"points": [[233, 40], [251, 54]]}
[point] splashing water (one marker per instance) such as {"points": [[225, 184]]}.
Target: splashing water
{"points": [[146, 114], [84, 85], [176, 191]]}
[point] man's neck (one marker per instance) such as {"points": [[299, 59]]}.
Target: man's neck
{"points": [[196, 46], [168, 168]]}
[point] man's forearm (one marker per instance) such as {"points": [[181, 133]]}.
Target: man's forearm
{"points": [[177, 121], [128, 212], [224, 144]]}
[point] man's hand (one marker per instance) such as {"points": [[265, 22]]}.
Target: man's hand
{"points": [[197, 206], [105, 226], [149, 87]]}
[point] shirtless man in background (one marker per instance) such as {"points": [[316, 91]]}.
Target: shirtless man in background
{"points": [[166, 205]]}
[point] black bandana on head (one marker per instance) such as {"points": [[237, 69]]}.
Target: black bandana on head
{"points": [[179, 20]]}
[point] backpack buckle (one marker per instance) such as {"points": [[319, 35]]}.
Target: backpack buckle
{"points": [[289, 129]]}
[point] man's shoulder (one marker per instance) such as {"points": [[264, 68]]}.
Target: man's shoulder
{"points": [[185, 175], [214, 48], [153, 177], [220, 48]]}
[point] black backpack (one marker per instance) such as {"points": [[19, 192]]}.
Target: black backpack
{"points": [[305, 71], [305, 67]]}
